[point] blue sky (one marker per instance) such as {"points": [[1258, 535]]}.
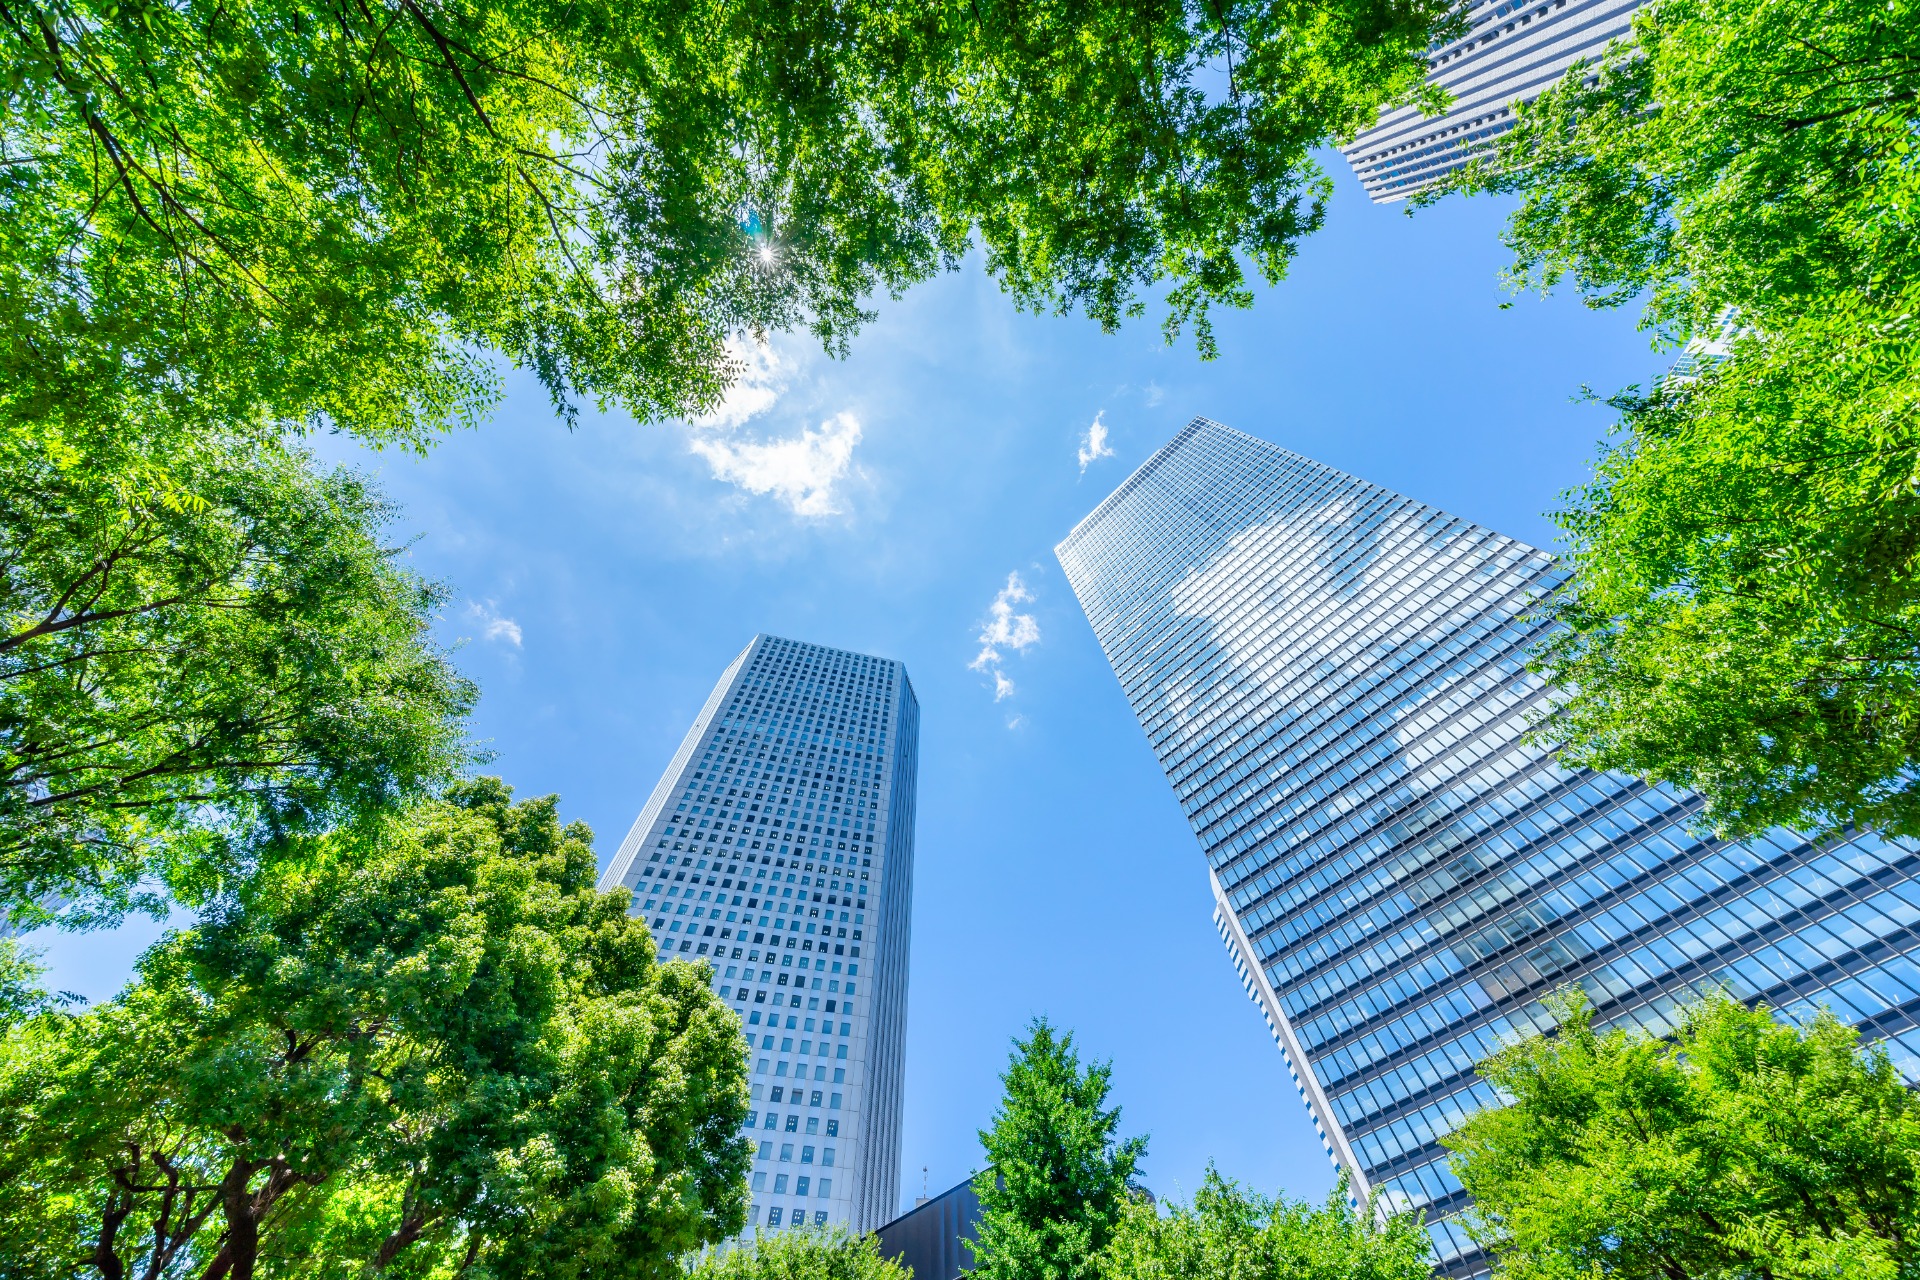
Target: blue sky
{"points": [[602, 578]]}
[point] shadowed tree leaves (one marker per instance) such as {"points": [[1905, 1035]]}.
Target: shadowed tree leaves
{"points": [[200, 644], [1745, 607], [1742, 1148], [423, 1048]]}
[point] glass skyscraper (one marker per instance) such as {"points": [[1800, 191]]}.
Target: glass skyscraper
{"points": [[778, 847], [1511, 50], [1333, 678]]}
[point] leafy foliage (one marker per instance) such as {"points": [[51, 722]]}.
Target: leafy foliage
{"points": [[1082, 144], [227, 212], [1743, 1148], [1230, 1233], [1745, 619], [829, 1253], [1059, 1179], [1745, 610], [202, 640], [428, 1046]]}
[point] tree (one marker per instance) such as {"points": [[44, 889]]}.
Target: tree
{"points": [[1744, 615], [428, 1047], [203, 640], [830, 1253], [1059, 1178], [1229, 1233], [1740, 1148], [315, 213]]}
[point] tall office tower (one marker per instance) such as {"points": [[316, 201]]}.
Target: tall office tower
{"points": [[1512, 50], [1333, 678], [778, 847]]}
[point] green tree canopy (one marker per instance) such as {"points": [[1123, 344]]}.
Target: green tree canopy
{"points": [[219, 212], [830, 1253], [1742, 1148], [1744, 616], [202, 640], [1231, 1233], [424, 1048], [1059, 1177]]}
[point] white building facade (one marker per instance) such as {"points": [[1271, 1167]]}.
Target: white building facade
{"points": [[1511, 51], [778, 848]]}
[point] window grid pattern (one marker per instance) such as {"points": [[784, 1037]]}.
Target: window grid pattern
{"points": [[1333, 678], [776, 849], [1511, 50]]}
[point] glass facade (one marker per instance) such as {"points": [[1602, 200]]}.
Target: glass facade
{"points": [[1333, 678], [1509, 49], [778, 848]]}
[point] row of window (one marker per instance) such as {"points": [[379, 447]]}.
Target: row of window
{"points": [[797, 1218], [798, 1096], [809, 885], [798, 1070], [793, 1126], [786, 1149], [822, 1187]]}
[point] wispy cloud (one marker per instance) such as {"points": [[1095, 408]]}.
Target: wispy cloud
{"points": [[1093, 445], [764, 376], [494, 625], [1155, 394], [1005, 629], [801, 470], [1014, 722]]}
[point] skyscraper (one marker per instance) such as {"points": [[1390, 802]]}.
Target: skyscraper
{"points": [[1333, 678], [778, 847], [1511, 50]]}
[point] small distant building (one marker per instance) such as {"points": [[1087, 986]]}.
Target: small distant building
{"points": [[932, 1237]]}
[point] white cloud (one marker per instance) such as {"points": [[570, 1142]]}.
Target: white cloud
{"points": [[493, 624], [1003, 626], [1014, 722], [764, 375], [1093, 445], [803, 471], [1005, 629], [800, 471], [1155, 394]]}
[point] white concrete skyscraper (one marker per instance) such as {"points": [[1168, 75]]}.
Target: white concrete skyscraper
{"points": [[1333, 677], [778, 847], [1511, 50]]}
